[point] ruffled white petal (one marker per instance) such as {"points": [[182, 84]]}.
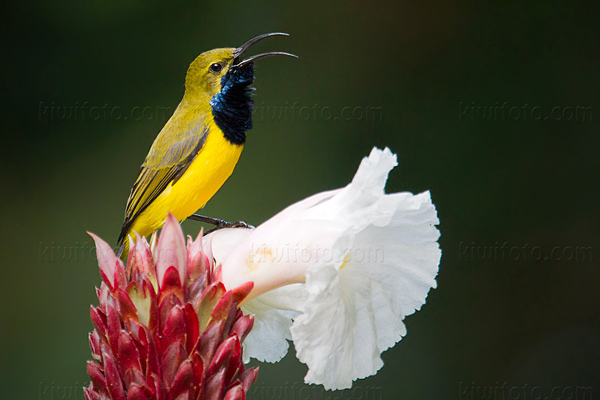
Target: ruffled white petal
{"points": [[268, 339], [357, 203], [273, 314], [361, 261], [391, 261]]}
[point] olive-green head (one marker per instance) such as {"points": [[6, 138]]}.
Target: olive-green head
{"points": [[205, 75], [218, 83]]}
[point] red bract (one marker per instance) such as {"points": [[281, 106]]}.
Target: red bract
{"points": [[166, 327]]}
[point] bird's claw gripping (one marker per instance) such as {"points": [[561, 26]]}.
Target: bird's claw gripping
{"points": [[242, 224], [219, 223]]}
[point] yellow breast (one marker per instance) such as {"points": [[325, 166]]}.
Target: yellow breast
{"points": [[211, 167]]}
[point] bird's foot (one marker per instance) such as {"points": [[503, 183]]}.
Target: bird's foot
{"points": [[219, 223]]}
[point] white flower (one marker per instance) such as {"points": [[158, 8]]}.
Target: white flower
{"points": [[336, 273]]}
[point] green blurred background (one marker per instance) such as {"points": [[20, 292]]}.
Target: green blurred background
{"points": [[396, 74]]}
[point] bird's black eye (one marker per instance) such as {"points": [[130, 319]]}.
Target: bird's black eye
{"points": [[216, 68]]}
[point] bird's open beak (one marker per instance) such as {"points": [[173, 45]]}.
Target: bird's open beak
{"points": [[239, 52]]}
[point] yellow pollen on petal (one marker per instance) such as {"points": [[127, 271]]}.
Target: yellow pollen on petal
{"points": [[262, 254], [346, 261]]}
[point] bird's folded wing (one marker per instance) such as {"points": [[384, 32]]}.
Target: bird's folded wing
{"points": [[169, 157]]}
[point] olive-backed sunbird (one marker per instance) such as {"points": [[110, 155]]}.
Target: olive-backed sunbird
{"points": [[197, 149]]}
